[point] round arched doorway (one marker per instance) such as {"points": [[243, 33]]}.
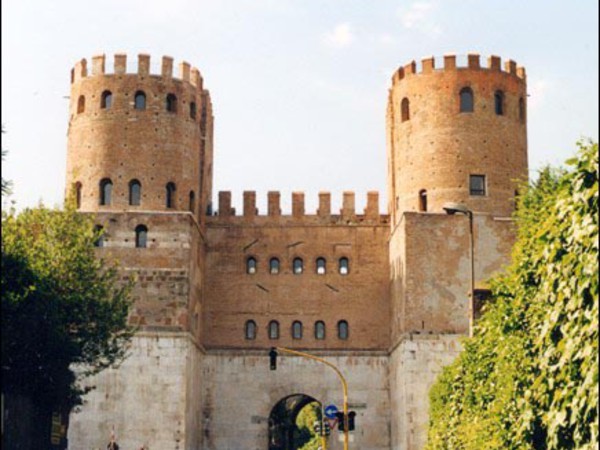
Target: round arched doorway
{"points": [[291, 422]]}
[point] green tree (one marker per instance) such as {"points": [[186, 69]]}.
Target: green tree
{"points": [[64, 311], [529, 377]]}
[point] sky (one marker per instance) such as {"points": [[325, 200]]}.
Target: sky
{"points": [[299, 87]]}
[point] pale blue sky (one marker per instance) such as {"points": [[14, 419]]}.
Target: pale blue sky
{"points": [[299, 87]]}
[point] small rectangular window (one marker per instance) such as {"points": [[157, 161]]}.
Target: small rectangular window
{"points": [[477, 185]]}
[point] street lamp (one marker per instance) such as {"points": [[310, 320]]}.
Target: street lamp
{"points": [[453, 208]]}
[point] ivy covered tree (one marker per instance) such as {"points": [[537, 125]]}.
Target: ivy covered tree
{"points": [[64, 311], [528, 379]]}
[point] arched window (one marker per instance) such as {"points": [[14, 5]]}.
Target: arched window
{"points": [[192, 205], [405, 110], [422, 200], [274, 266], [81, 104], [273, 329], [170, 199], [77, 192], [250, 330], [105, 191], [251, 265], [99, 231], [297, 266], [106, 100], [141, 236], [343, 329], [321, 266], [320, 330], [297, 330], [499, 103], [171, 103], [135, 192], [522, 110], [344, 266], [466, 99], [193, 110], [140, 100]]}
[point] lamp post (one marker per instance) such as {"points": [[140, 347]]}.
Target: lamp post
{"points": [[453, 208], [273, 364]]}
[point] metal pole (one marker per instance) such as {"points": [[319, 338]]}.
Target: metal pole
{"points": [[341, 377], [472, 250], [323, 435]]}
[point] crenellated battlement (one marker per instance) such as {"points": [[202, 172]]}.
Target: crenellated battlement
{"points": [[449, 62], [186, 73], [347, 214]]}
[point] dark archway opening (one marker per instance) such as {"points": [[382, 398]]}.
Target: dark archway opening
{"points": [[291, 422]]}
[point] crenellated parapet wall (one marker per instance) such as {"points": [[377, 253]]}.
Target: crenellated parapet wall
{"points": [[150, 130], [456, 134], [226, 214]]}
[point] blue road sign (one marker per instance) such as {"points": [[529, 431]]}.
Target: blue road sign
{"points": [[330, 411]]}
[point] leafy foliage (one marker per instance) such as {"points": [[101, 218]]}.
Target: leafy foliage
{"points": [[307, 438], [529, 377], [64, 312]]}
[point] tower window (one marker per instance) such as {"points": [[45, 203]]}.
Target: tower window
{"points": [[522, 110], [273, 329], [141, 236], [477, 184], [77, 191], [171, 103], [193, 110], [405, 109], [320, 330], [192, 205], [106, 100], [99, 231], [170, 199], [466, 100], [321, 266], [135, 192], [81, 104], [274, 266], [422, 200], [251, 265], [140, 100], [499, 103], [250, 330], [344, 266], [105, 191], [297, 266], [343, 331], [297, 330]]}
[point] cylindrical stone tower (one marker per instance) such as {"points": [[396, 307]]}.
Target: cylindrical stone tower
{"points": [[139, 141], [456, 134]]}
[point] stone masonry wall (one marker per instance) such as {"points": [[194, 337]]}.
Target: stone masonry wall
{"points": [[240, 392]]}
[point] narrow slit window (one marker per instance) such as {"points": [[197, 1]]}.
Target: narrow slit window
{"points": [[135, 193], [170, 199], [193, 110], [140, 100], [250, 331], [344, 266], [171, 103], [105, 191], [251, 265], [192, 205], [499, 103], [297, 330], [273, 329], [99, 231], [477, 185], [274, 266], [423, 200], [522, 110], [466, 100], [321, 266], [405, 109], [343, 331], [141, 236], [320, 330], [81, 104], [298, 266], [77, 188], [106, 100]]}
